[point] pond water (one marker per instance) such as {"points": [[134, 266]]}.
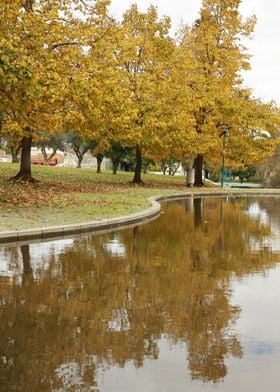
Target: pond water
{"points": [[187, 302]]}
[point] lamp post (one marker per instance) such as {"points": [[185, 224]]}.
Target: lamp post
{"points": [[224, 133]]}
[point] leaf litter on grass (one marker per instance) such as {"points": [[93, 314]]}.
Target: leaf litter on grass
{"points": [[68, 196]]}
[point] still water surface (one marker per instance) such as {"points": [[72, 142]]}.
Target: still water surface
{"points": [[188, 302]]}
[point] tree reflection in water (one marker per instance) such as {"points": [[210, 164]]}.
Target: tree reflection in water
{"points": [[107, 300]]}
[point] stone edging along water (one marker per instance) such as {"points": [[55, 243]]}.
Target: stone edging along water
{"points": [[111, 223]]}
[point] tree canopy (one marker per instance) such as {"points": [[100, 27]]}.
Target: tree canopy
{"points": [[69, 67]]}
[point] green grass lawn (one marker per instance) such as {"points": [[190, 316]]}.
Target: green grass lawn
{"points": [[69, 195]]}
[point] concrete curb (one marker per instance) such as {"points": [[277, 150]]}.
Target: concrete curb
{"points": [[153, 211]]}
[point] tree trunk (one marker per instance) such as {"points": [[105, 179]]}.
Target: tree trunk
{"points": [[175, 169], [24, 173], [14, 157], [80, 157], [45, 156], [145, 168], [198, 167], [80, 160], [49, 159], [138, 168], [163, 167], [99, 158], [14, 152], [115, 163]]}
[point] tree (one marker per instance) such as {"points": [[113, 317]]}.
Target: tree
{"points": [[92, 100], [116, 153], [51, 141], [143, 56], [246, 173], [214, 47], [39, 58], [80, 146], [29, 73], [171, 165], [99, 158]]}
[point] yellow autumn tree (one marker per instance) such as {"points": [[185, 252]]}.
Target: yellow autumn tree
{"points": [[94, 106], [253, 129], [41, 44], [213, 45], [143, 56]]}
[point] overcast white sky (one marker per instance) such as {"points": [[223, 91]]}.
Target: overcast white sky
{"points": [[264, 77]]}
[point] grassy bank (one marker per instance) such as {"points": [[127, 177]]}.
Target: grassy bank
{"points": [[68, 195]]}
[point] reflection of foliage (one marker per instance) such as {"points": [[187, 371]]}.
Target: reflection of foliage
{"points": [[108, 299]]}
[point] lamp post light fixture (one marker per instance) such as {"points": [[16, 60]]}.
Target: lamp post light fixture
{"points": [[223, 133]]}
